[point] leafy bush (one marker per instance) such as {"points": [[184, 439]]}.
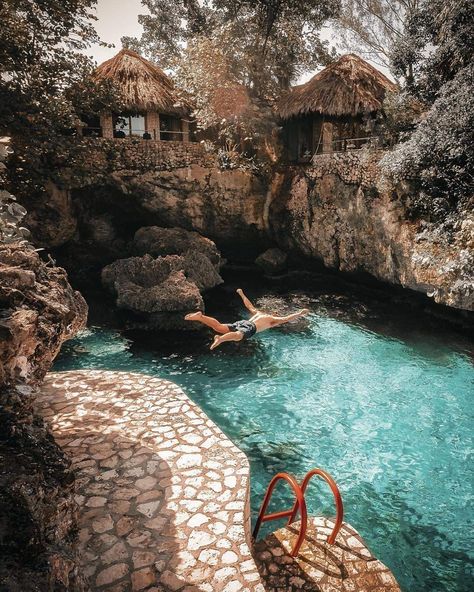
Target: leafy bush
{"points": [[228, 158], [438, 158]]}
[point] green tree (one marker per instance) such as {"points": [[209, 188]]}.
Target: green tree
{"points": [[437, 46], [44, 81]]}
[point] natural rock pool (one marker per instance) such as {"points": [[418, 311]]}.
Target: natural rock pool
{"points": [[377, 393]]}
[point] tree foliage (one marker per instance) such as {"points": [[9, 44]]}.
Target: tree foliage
{"points": [[260, 45], [44, 81], [268, 43], [373, 28], [438, 157], [437, 46]]}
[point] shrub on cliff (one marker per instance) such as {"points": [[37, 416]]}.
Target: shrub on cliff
{"points": [[437, 160], [11, 212]]}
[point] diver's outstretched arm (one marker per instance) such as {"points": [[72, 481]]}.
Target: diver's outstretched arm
{"points": [[248, 305], [291, 317]]}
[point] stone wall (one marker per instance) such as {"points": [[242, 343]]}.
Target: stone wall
{"points": [[104, 155], [354, 167]]}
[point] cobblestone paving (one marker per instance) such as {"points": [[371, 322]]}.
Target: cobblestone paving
{"points": [[163, 498], [162, 492], [345, 566]]}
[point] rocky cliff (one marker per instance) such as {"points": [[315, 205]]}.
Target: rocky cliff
{"points": [[339, 210], [166, 280], [342, 211], [38, 311]]}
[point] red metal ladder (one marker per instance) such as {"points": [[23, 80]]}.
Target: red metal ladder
{"points": [[299, 505]]}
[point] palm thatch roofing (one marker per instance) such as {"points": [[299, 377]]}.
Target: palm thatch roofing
{"points": [[143, 85], [348, 87]]}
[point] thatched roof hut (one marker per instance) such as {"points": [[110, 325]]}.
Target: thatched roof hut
{"points": [[143, 85], [347, 88]]}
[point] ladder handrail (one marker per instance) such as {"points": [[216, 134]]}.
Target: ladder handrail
{"points": [[300, 504], [337, 498]]}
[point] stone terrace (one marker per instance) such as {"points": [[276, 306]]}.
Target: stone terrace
{"points": [[163, 498], [104, 156], [162, 492], [345, 566]]}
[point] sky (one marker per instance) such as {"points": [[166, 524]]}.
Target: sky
{"points": [[119, 18]]}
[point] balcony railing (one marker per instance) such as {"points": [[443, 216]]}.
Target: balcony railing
{"points": [[347, 144], [140, 134]]}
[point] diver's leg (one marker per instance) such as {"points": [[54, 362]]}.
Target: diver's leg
{"points": [[248, 305], [208, 321], [232, 336]]}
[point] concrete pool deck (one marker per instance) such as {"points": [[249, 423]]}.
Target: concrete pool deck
{"points": [[163, 495]]}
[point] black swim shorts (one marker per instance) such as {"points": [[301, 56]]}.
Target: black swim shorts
{"points": [[247, 328]]}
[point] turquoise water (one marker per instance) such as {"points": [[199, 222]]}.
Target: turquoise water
{"points": [[379, 399]]}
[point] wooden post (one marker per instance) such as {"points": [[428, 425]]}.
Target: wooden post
{"points": [[185, 130], [106, 124], [327, 137], [153, 124]]}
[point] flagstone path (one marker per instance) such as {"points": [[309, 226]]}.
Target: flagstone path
{"points": [[163, 498], [162, 492]]}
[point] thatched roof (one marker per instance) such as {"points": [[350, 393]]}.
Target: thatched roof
{"points": [[348, 87], [143, 85]]}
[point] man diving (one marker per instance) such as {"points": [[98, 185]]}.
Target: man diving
{"points": [[260, 321]]}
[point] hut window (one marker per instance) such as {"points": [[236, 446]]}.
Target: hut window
{"points": [[130, 125], [137, 125], [170, 128]]}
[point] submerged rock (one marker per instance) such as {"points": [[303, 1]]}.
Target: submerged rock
{"points": [[145, 284], [272, 261], [39, 311]]}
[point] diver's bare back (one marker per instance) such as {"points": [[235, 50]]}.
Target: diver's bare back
{"points": [[260, 321], [263, 321]]}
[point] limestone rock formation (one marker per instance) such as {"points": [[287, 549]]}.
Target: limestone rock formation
{"points": [[166, 281], [343, 212], [51, 217], [339, 210], [160, 291], [39, 311], [156, 241], [272, 261]]}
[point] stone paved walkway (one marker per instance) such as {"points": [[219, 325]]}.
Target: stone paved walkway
{"points": [[162, 492], [163, 498], [345, 566]]}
